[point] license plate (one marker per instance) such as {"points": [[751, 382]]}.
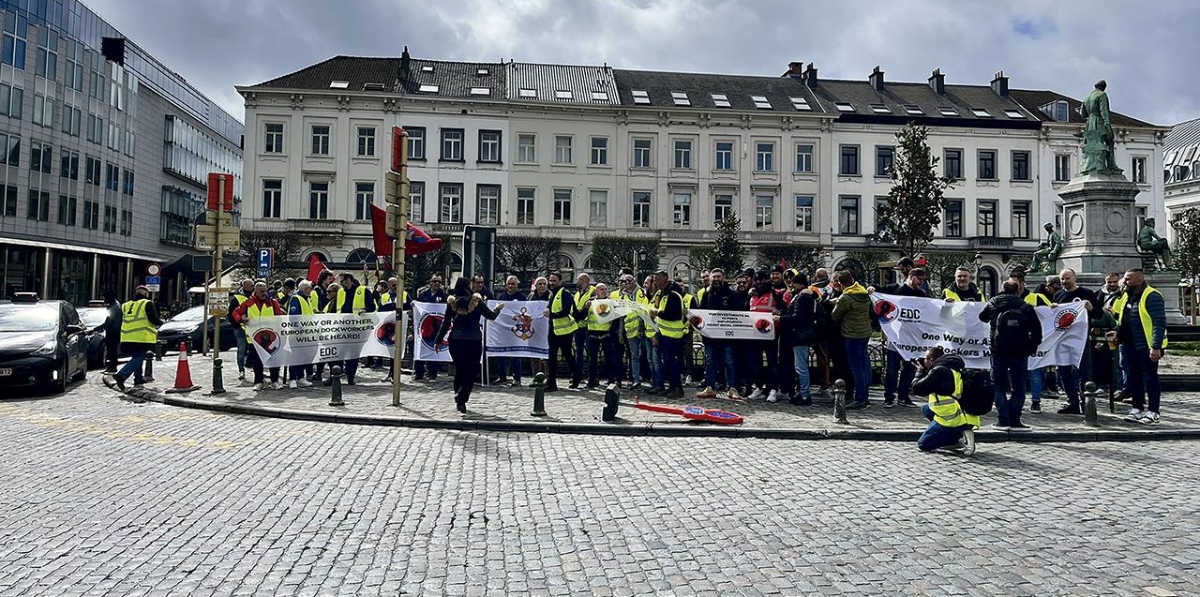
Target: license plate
{"points": [[5, 372]]}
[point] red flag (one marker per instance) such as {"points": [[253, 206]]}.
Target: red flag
{"points": [[315, 267], [418, 241]]}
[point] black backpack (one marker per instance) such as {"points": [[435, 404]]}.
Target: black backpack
{"points": [[978, 392], [1013, 336]]}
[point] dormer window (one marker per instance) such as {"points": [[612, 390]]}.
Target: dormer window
{"points": [[880, 109], [844, 106], [527, 93], [801, 104], [720, 100], [680, 98], [481, 91], [1058, 111], [981, 113], [640, 97], [339, 84], [428, 89], [913, 109], [947, 111], [760, 102], [563, 94]]}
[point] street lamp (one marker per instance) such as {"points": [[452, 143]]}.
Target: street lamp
{"points": [[638, 257], [826, 259]]}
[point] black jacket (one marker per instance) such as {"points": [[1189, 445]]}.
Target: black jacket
{"points": [[938, 379], [461, 321], [1004, 302], [902, 290], [800, 321], [722, 298]]}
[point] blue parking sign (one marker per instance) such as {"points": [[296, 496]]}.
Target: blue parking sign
{"points": [[264, 272], [266, 258]]}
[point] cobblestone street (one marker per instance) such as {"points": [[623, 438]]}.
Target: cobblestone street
{"points": [[103, 497]]}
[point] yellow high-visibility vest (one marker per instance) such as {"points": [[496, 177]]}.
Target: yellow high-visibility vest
{"points": [[1119, 310], [946, 410], [135, 323], [671, 328], [563, 324]]}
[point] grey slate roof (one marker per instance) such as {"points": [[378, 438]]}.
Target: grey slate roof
{"points": [[355, 70], [546, 79], [1182, 135], [700, 87], [453, 79], [1181, 152], [895, 96], [1034, 100]]}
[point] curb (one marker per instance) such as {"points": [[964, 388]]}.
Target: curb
{"points": [[661, 429]]}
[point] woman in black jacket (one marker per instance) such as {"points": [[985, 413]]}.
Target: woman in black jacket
{"points": [[461, 322], [799, 325]]}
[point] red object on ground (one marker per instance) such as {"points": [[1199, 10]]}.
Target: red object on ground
{"points": [[183, 374], [695, 413]]}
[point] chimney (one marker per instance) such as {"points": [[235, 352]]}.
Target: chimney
{"points": [[810, 75], [405, 64], [1000, 84], [795, 70], [876, 79], [937, 82]]}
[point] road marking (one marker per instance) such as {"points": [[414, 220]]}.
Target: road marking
{"points": [[121, 433]]}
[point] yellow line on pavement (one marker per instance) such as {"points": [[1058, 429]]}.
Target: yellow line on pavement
{"points": [[108, 432]]}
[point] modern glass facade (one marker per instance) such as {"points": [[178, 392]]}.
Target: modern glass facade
{"points": [[192, 154]]}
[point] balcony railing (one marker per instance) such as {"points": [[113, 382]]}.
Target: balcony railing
{"points": [[309, 226], [991, 243]]}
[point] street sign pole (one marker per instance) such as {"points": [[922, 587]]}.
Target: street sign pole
{"points": [[398, 199], [218, 385], [204, 335]]}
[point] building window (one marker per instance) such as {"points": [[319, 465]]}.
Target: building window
{"points": [[118, 87], [450, 204], [681, 210], [880, 206], [722, 208], [272, 199], [452, 145], [43, 110], [15, 30], [562, 150], [885, 156], [366, 141], [10, 149], [10, 201], [527, 148], [72, 120], [641, 153], [67, 209], [416, 202], [525, 204], [318, 200], [95, 129], [110, 218], [987, 164], [724, 159], [849, 165], [1021, 219], [488, 204], [804, 213], [764, 212], [114, 136], [847, 215], [562, 207], [41, 157], [954, 218], [91, 214], [641, 209], [804, 158], [12, 101], [1139, 170], [598, 208], [764, 157], [69, 167], [1062, 167], [954, 167], [320, 139], [126, 222], [987, 218], [683, 155], [127, 182], [39, 205], [416, 142], [47, 53], [1020, 165], [75, 57], [112, 177], [599, 151], [489, 146], [96, 60], [364, 197], [129, 137], [92, 171]]}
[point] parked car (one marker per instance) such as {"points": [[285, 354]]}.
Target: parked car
{"points": [[185, 327], [43, 344], [95, 319]]}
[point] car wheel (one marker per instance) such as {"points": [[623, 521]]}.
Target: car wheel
{"points": [[101, 353], [82, 374]]}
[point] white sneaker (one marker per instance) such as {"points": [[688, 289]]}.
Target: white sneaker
{"points": [[304, 383], [241, 376], [756, 394], [773, 396], [1134, 415], [294, 385], [967, 443], [257, 387], [274, 385], [1149, 418]]}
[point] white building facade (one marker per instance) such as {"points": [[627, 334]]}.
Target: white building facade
{"points": [[577, 151]]}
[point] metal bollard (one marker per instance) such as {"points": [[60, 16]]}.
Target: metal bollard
{"points": [[1090, 391], [539, 395], [612, 401], [158, 352], [335, 376], [149, 373], [839, 402], [218, 384]]}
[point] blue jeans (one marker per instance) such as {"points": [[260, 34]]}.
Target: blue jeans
{"points": [[898, 370], [137, 357], [672, 367], [937, 436], [1037, 378], [1008, 377], [717, 358], [612, 361], [580, 339], [240, 335], [1141, 377], [506, 365], [638, 347], [800, 356], [860, 366], [1073, 378]]}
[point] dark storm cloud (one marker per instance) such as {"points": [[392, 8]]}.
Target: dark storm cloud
{"points": [[1144, 49]]}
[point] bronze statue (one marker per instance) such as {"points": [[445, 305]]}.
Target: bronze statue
{"points": [[1048, 252], [1150, 242], [1099, 151]]}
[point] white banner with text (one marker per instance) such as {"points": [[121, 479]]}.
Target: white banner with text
{"points": [[732, 325], [288, 340]]}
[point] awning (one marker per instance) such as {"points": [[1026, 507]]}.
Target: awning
{"points": [[81, 249]]}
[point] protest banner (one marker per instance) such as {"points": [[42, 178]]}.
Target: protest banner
{"points": [[288, 340], [913, 325], [520, 331], [607, 310], [732, 325], [427, 320]]}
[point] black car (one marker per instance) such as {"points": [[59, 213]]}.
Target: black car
{"points": [[95, 319], [185, 327], [43, 344]]}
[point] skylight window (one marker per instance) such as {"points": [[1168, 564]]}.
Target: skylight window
{"points": [[844, 106], [913, 109], [640, 96], [428, 89], [880, 109], [680, 98], [947, 111], [760, 102], [339, 84], [721, 100], [801, 103], [428, 68], [527, 93], [563, 94], [981, 112], [481, 91], [599, 96], [482, 71], [1014, 114]]}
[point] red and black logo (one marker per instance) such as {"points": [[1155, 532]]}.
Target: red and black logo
{"points": [[267, 339], [1065, 320], [886, 311]]}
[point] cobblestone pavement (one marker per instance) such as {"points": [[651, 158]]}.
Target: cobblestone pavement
{"points": [[435, 400], [102, 497]]}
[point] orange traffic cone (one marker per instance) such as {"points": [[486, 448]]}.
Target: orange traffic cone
{"points": [[183, 374]]}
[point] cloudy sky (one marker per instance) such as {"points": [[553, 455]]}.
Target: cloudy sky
{"points": [[1146, 49]]}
